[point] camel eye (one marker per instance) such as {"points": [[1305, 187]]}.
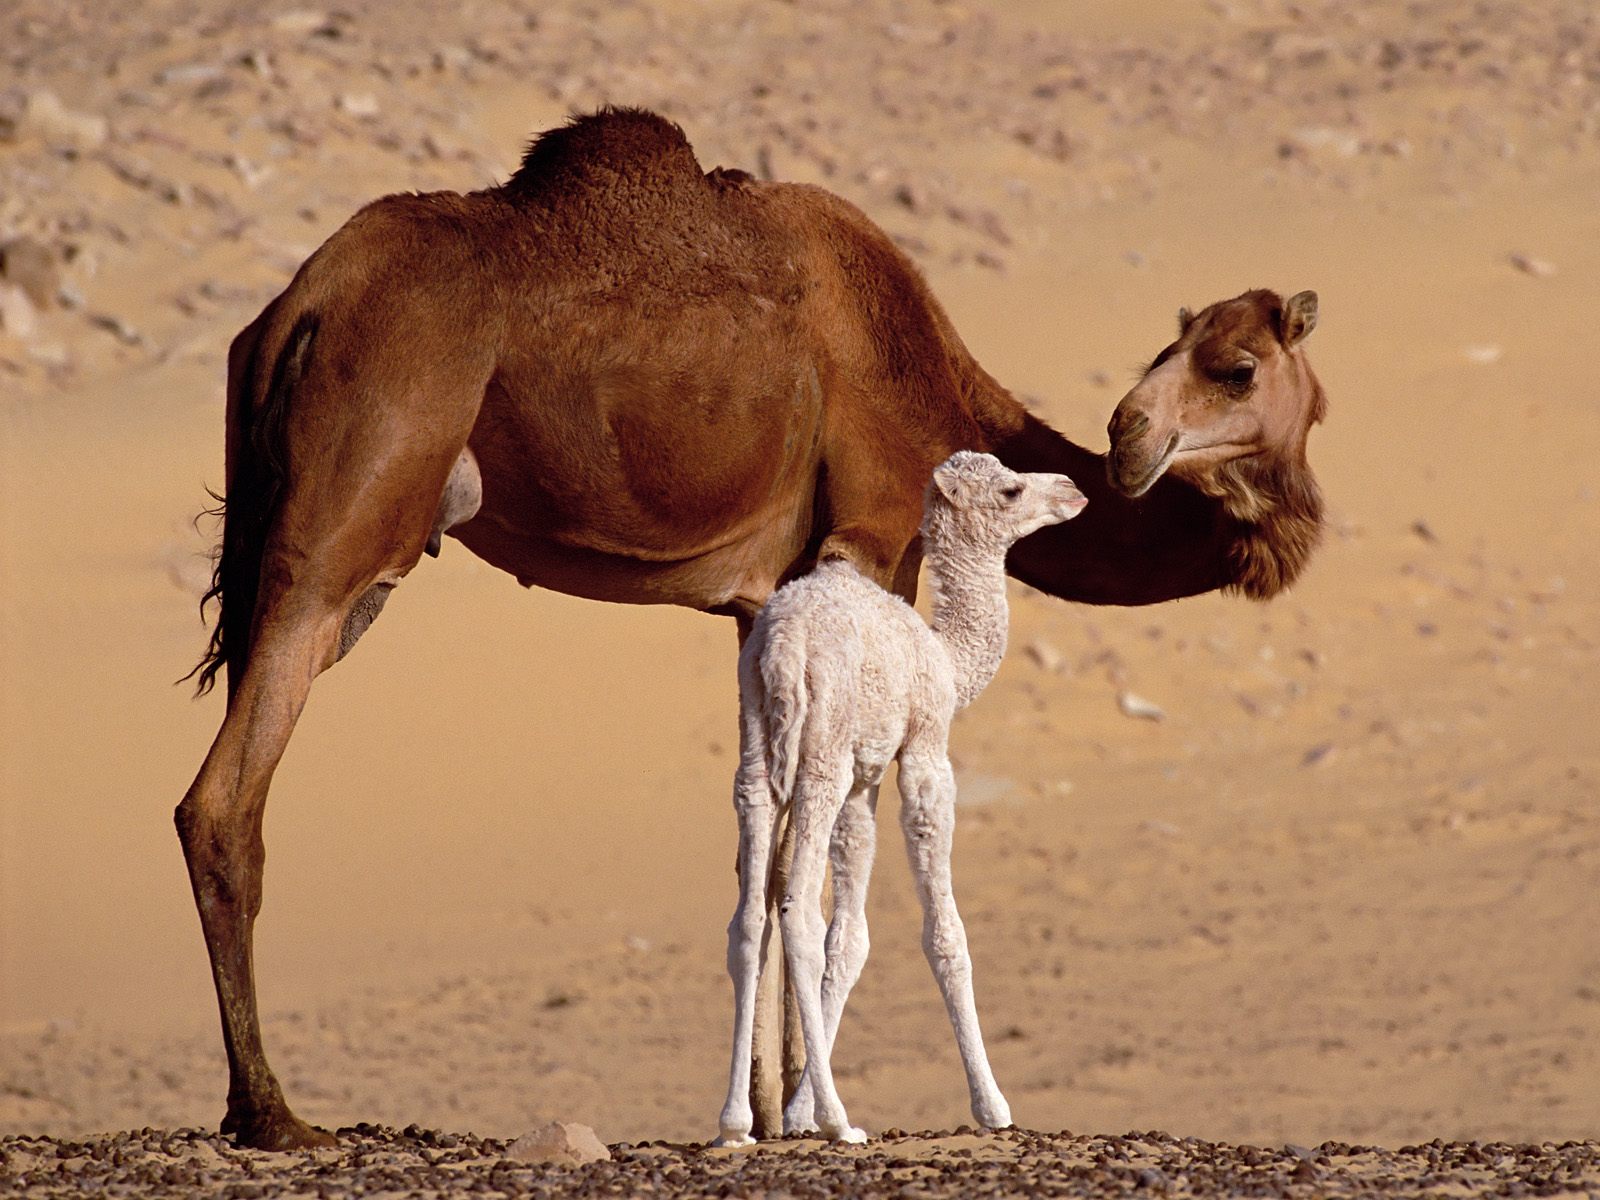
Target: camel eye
{"points": [[1011, 492], [1240, 375]]}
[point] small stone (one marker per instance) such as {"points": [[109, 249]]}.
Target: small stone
{"points": [[1537, 267], [29, 264], [203, 1152], [1131, 705], [1044, 656], [360, 105], [51, 121], [559, 1142], [1424, 531], [117, 328], [17, 316], [300, 21], [194, 72], [1319, 753]]}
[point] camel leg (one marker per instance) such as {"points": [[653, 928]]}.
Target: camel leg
{"points": [[850, 852], [219, 823], [776, 1055], [927, 817], [817, 802], [340, 542], [772, 1022], [750, 930]]}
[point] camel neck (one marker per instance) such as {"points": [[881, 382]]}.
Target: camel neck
{"points": [[1169, 543], [970, 615]]}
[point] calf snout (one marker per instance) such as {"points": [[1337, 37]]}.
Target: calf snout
{"points": [[1067, 501]]}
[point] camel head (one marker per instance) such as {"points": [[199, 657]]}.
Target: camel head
{"points": [[1229, 402]]}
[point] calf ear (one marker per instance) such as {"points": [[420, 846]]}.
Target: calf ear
{"points": [[1185, 319], [1299, 317], [953, 485]]}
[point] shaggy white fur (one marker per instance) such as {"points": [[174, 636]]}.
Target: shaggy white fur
{"points": [[837, 680]]}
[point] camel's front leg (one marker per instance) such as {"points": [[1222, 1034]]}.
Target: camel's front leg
{"points": [[927, 816], [850, 852]]}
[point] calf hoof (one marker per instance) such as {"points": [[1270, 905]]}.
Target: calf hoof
{"points": [[280, 1130], [994, 1115], [800, 1125]]}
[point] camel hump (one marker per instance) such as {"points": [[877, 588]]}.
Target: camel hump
{"points": [[601, 149]]}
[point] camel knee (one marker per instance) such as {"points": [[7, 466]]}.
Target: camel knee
{"points": [[745, 932]]}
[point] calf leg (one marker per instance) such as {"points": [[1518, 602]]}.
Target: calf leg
{"points": [[817, 801], [850, 853], [927, 817]]}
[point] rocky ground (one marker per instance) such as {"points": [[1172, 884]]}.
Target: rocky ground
{"points": [[380, 1161]]}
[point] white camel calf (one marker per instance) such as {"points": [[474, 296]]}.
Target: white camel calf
{"points": [[837, 680]]}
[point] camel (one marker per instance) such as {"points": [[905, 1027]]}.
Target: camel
{"points": [[622, 377], [837, 680]]}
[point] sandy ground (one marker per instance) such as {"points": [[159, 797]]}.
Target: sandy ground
{"points": [[1348, 887]]}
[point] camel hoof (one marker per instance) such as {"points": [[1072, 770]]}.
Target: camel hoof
{"points": [[994, 1116], [733, 1139], [276, 1131], [851, 1136]]}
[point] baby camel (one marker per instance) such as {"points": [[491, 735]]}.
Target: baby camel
{"points": [[837, 680]]}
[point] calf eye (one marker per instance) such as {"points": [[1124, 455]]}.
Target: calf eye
{"points": [[1241, 375]]}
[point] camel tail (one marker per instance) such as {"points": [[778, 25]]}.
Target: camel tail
{"points": [[784, 703], [257, 467]]}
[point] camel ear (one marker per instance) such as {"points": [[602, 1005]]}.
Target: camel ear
{"points": [[1185, 319], [1299, 317], [952, 484]]}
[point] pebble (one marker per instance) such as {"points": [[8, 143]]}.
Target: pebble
{"points": [[360, 105], [1131, 705], [30, 265], [1537, 267], [1045, 656], [17, 315], [559, 1142], [45, 117], [117, 328]]}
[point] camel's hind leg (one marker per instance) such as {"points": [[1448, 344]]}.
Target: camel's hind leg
{"points": [[750, 930], [850, 852], [819, 796], [349, 520], [219, 823]]}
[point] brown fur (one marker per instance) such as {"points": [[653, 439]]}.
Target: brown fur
{"points": [[676, 387]]}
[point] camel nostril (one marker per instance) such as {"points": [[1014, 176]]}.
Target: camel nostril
{"points": [[1129, 423]]}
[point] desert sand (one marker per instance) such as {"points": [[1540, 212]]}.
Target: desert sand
{"points": [[1339, 883]]}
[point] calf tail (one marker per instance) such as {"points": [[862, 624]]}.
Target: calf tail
{"points": [[783, 705]]}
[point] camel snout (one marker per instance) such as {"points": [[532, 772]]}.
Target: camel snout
{"points": [[1068, 501], [1136, 458]]}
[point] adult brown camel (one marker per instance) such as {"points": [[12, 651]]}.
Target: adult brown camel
{"points": [[621, 377]]}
